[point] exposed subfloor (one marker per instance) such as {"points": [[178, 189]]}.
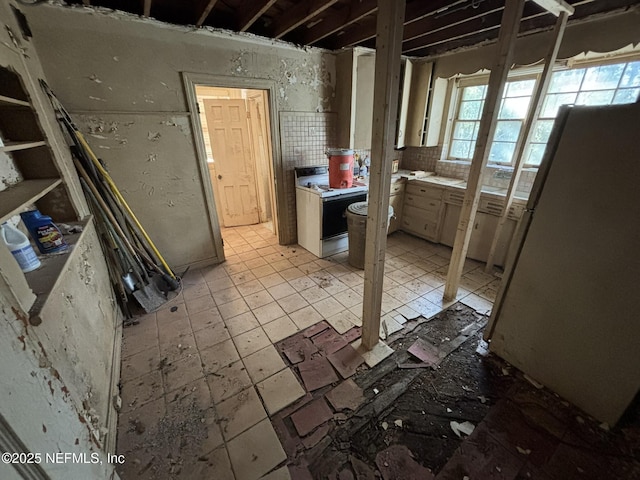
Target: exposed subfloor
{"points": [[206, 378]]}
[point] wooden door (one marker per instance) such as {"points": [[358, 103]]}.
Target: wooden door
{"points": [[234, 164]]}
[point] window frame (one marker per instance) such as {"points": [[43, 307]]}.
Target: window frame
{"points": [[462, 81]]}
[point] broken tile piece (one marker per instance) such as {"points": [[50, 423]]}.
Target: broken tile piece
{"points": [[311, 416], [329, 341], [298, 348], [353, 334], [343, 321], [397, 462], [346, 361], [426, 352], [317, 373], [316, 329], [346, 395], [256, 451], [315, 438], [280, 390], [374, 356]]}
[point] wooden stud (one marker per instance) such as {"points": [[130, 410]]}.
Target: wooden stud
{"points": [[300, 14], [527, 130], [205, 12], [339, 20], [147, 8], [506, 44], [253, 10], [385, 101]]}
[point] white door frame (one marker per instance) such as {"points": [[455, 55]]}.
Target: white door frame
{"points": [[279, 210]]}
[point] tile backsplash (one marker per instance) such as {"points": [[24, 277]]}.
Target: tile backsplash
{"points": [[304, 138], [429, 159]]}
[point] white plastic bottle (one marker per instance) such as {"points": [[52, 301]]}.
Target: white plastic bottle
{"points": [[20, 247]]}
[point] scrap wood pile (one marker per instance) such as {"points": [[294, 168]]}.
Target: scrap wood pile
{"points": [[136, 268]]}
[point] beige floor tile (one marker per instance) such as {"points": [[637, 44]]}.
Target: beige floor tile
{"points": [[255, 263], [263, 271], [302, 283], [184, 371], [140, 364], [242, 277], [263, 363], [402, 294], [194, 395], [352, 280], [219, 356], [240, 412], [194, 291], [220, 284], [238, 266], [426, 308], [374, 356], [226, 295], [178, 347], [215, 465], [478, 303], [228, 381], [242, 323], [293, 302], [281, 291], [348, 297], [291, 273], [281, 473], [343, 321], [253, 286], [258, 299], [334, 286], [200, 304], [389, 326], [168, 331], [166, 315], [329, 307], [305, 317], [280, 390], [256, 451], [314, 294], [436, 297], [233, 309], [269, 312], [272, 280], [280, 329], [205, 319], [212, 335], [251, 341], [281, 265], [141, 390]]}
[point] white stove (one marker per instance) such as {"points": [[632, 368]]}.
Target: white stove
{"points": [[322, 223]]}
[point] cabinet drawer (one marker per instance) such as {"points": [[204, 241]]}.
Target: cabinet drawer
{"points": [[491, 206], [397, 187], [425, 191], [454, 196], [428, 204], [421, 214], [419, 226]]}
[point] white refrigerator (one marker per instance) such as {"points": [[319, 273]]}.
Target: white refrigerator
{"points": [[568, 311]]}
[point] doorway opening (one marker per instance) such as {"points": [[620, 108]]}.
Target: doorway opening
{"points": [[236, 130]]}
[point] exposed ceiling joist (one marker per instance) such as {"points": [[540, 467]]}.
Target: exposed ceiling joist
{"points": [[205, 12], [555, 6], [335, 22], [253, 9], [300, 14], [147, 8]]}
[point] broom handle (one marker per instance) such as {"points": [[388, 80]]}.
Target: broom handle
{"points": [[119, 196]]}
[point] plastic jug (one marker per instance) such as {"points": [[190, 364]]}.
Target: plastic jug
{"points": [[20, 247], [44, 232]]}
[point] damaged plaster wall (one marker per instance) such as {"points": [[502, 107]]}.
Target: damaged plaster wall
{"points": [[55, 378], [111, 68]]}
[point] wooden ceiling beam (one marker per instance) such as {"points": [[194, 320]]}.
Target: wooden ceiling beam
{"points": [[205, 12], [253, 9], [556, 6], [414, 12], [300, 14], [338, 20], [146, 9], [531, 23]]}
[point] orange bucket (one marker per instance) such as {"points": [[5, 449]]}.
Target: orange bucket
{"points": [[340, 168]]}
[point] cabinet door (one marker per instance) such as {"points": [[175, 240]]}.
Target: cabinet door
{"points": [[396, 202]]}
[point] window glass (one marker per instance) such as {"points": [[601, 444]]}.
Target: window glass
{"points": [[596, 85]]}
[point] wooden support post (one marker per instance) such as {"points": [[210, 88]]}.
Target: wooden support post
{"points": [[506, 44], [527, 130], [146, 9], [385, 100]]}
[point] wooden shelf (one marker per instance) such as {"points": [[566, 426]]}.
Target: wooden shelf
{"points": [[14, 146], [45, 279], [13, 199], [13, 102]]}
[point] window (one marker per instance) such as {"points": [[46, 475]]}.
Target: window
{"points": [[596, 85]]}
